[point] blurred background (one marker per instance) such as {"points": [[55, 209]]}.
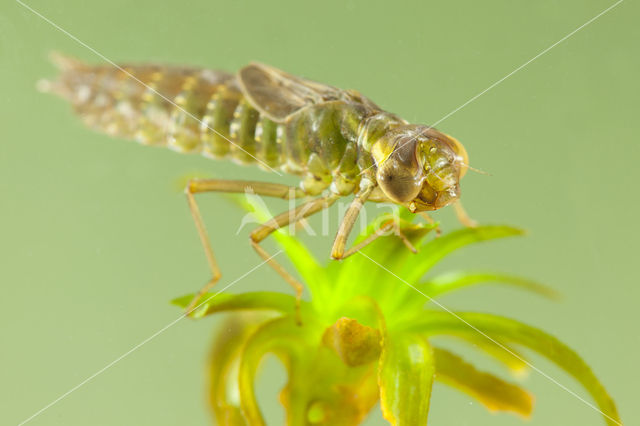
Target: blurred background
{"points": [[96, 237]]}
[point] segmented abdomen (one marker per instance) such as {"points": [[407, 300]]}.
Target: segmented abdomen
{"points": [[186, 109], [204, 111]]}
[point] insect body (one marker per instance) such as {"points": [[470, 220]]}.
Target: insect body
{"points": [[338, 141]]}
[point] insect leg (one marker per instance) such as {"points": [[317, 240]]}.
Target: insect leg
{"points": [[426, 216], [462, 215], [349, 219], [196, 186], [387, 226], [292, 216]]}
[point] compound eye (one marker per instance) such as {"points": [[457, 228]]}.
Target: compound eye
{"points": [[398, 183], [461, 153]]}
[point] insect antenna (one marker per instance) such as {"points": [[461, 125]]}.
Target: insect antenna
{"points": [[473, 169]]}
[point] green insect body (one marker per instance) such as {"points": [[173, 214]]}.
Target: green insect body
{"points": [[329, 137], [337, 141]]}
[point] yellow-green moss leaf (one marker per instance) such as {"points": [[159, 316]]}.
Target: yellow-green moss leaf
{"points": [[493, 392], [222, 366], [433, 251], [405, 377], [451, 281], [219, 302], [501, 351], [494, 326]]}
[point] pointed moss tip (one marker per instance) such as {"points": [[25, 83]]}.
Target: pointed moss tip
{"points": [[182, 301]]}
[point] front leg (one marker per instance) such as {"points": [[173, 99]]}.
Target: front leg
{"points": [[462, 215], [349, 219]]}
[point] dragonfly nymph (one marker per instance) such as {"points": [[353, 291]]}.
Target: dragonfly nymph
{"points": [[337, 141]]}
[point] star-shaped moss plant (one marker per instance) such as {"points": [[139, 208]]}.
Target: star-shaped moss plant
{"points": [[367, 336]]}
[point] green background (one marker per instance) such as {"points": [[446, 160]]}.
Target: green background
{"points": [[96, 238]]}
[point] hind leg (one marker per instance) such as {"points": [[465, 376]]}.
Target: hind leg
{"points": [[196, 186], [292, 216]]}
